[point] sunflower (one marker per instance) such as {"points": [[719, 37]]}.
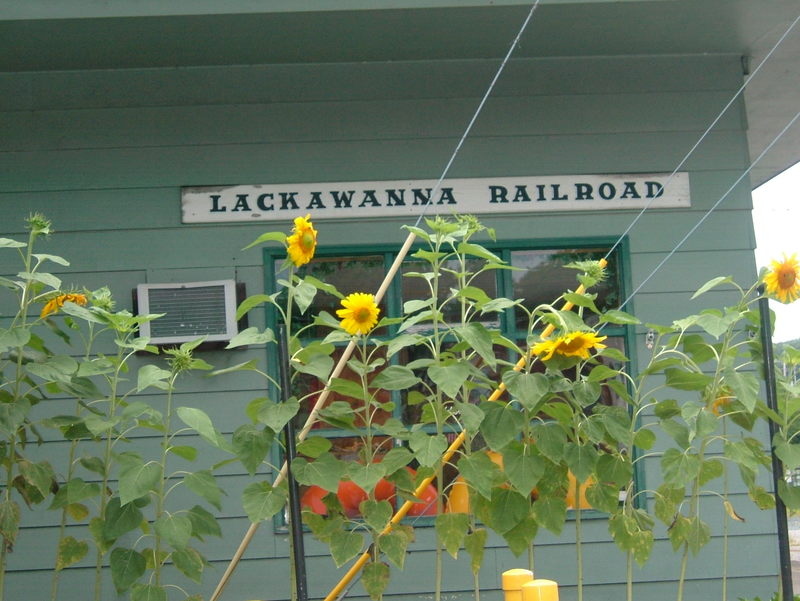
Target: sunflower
{"points": [[573, 344], [55, 303], [782, 279], [360, 313], [303, 241]]}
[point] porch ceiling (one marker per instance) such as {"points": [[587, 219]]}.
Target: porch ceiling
{"points": [[44, 35]]}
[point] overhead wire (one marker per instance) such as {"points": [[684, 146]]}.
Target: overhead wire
{"points": [[348, 350], [704, 135]]}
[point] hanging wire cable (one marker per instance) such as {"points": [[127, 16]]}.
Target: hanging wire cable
{"points": [[378, 296], [711, 210], [705, 134], [479, 109]]}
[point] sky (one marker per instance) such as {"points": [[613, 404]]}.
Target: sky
{"points": [[776, 218]]}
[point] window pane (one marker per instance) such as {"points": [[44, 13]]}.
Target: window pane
{"points": [[348, 275], [544, 277]]}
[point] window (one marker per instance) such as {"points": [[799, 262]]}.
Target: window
{"points": [[540, 276]]}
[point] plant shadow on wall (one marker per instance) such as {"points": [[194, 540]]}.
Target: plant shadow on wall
{"points": [[497, 433]]}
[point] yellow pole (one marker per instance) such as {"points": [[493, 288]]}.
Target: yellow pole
{"points": [[540, 590], [512, 583], [451, 450]]}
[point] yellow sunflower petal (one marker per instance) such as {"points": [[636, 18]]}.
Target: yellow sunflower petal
{"points": [[359, 313], [302, 243], [782, 280]]}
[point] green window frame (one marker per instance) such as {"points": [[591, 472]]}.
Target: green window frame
{"points": [[383, 257]]}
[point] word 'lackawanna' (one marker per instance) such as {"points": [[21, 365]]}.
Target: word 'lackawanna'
{"points": [[279, 202]]}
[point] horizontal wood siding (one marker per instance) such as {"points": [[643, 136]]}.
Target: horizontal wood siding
{"points": [[104, 154]]}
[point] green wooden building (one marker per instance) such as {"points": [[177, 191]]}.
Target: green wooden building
{"points": [[162, 137]]}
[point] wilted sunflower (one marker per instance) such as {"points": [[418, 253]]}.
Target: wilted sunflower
{"points": [[782, 279], [360, 313], [303, 241], [573, 344], [55, 303]]}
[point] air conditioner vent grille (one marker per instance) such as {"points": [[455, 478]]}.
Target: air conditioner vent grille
{"points": [[189, 311]]}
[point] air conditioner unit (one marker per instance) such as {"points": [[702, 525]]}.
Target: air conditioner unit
{"points": [[191, 310]]}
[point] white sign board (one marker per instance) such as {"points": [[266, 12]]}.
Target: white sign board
{"points": [[348, 200]]}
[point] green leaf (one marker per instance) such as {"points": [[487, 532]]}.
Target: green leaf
{"points": [[203, 523], [396, 458], [603, 496], [127, 566], [395, 377], [452, 528], [745, 387], [630, 537], [581, 300], [501, 424], [253, 301], [667, 500], [200, 422], [9, 520], [713, 283], [475, 545], [376, 513], [471, 416], [394, 545], [59, 368], [644, 439], [10, 243], [698, 535], [325, 471], [279, 237], [261, 501], [176, 530], [710, 469], [480, 472], [39, 475], [251, 365], [314, 446], [138, 479], [508, 508], [15, 337], [450, 378], [74, 491], [685, 380], [70, 551], [148, 592], [375, 579], [581, 459], [618, 317], [520, 537], [151, 375], [251, 445], [204, 484], [120, 519], [277, 415], [184, 452], [428, 448], [528, 388], [344, 546], [366, 476], [550, 440], [523, 466], [251, 335], [190, 563], [550, 512], [479, 339], [679, 468]]}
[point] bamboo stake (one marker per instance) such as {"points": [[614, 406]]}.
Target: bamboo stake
{"points": [[312, 417], [448, 454]]}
